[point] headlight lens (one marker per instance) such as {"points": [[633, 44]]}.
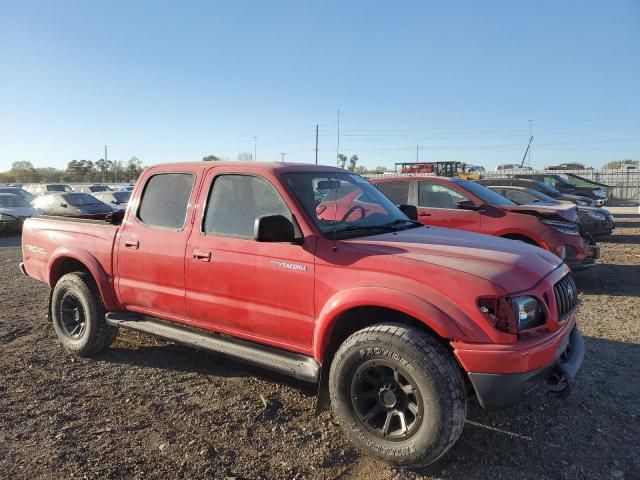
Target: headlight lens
{"points": [[528, 312], [563, 227], [596, 215], [599, 193]]}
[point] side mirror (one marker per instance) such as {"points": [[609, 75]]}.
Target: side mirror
{"points": [[64, 205], [467, 205], [411, 211], [273, 228]]}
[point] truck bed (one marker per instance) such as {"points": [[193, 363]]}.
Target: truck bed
{"points": [[49, 240]]}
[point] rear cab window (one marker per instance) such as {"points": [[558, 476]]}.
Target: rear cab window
{"points": [[165, 200]]}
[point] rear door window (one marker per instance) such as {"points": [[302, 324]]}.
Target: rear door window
{"points": [[397, 192], [165, 200], [436, 195]]}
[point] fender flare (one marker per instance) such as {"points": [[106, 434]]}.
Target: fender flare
{"points": [[397, 300], [94, 267]]}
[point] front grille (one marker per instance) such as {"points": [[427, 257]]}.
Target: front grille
{"points": [[566, 295]]}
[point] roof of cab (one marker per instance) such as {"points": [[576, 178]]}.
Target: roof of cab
{"points": [[280, 167]]}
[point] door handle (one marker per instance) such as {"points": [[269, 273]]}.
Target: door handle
{"points": [[424, 214], [202, 255], [133, 244]]}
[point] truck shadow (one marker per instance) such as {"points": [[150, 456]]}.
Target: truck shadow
{"points": [[10, 240], [580, 437], [176, 358], [607, 279]]}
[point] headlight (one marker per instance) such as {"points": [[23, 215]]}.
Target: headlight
{"points": [[528, 312], [596, 215], [7, 218], [599, 193], [562, 227]]}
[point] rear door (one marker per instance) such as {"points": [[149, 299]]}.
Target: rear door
{"points": [[256, 290], [437, 205], [152, 241]]}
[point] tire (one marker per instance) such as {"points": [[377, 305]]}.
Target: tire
{"points": [[429, 390], [78, 315]]}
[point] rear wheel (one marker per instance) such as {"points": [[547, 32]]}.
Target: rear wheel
{"points": [[78, 315], [398, 394]]}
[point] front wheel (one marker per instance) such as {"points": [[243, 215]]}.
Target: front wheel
{"points": [[398, 394], [78, 315]]}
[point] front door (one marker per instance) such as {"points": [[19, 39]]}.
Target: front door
{"points": [[151, 245], [437, 205], [256, 290]]}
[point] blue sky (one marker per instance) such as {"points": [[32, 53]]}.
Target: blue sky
{"points": [[173, 81]]}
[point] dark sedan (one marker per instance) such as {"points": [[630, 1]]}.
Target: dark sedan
{"points": [[597, 193], [539, 186], [80, 205], [595, 220]]}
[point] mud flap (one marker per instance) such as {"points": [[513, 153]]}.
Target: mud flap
{"points": [[322, 398]]}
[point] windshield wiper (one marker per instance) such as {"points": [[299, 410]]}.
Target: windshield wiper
{"points": [[387, 227], [403, 220]]}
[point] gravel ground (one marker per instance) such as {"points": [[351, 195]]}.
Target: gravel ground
{"points": [[148, 409]]}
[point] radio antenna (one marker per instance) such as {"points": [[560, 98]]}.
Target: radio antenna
{"points": [[335, 196]]}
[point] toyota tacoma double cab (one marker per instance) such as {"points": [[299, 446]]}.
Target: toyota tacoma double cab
{"points": [[398, 323]]}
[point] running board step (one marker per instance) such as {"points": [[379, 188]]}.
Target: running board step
{"points": [[292, 364]]}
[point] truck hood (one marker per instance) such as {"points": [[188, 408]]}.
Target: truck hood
{"points": [[545, 209], [510, 264]]}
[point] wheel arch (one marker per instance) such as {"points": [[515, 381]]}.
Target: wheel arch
{"points": [[354, 309], [66, 260]]}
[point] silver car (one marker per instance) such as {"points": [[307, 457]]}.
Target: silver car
{"points": [[14, 210], [80, 205]]}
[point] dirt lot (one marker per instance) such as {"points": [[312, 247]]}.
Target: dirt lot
{"points": [[147, 409]]}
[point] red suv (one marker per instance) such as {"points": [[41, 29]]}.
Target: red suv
{"points": [[467, 205]]}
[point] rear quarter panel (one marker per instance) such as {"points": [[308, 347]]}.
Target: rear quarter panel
{"points": [[46, 242]]}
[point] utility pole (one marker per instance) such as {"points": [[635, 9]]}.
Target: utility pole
{"points": [[255, 149], [282, 154], [316, 143], [530, 136], [418, 147]]}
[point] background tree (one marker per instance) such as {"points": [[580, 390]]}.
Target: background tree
{"points": [[133, 169], [353, 162], [23, 172], [211, 158], [245, 157], [617, 164], [342, 160]]}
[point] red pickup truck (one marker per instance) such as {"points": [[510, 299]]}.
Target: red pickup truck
{"points": [[396, 322]]}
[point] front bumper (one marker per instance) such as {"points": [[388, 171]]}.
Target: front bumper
{"points": [[505, 389], [584, 256]]}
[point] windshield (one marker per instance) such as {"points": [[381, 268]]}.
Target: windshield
{"points": [[99, 188], [13, 201], [560, 180], [545, 188], [121, 197], [81, 199], [542, 197], [483, 193], [346, 203], [59, 188], [16, 191]]}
